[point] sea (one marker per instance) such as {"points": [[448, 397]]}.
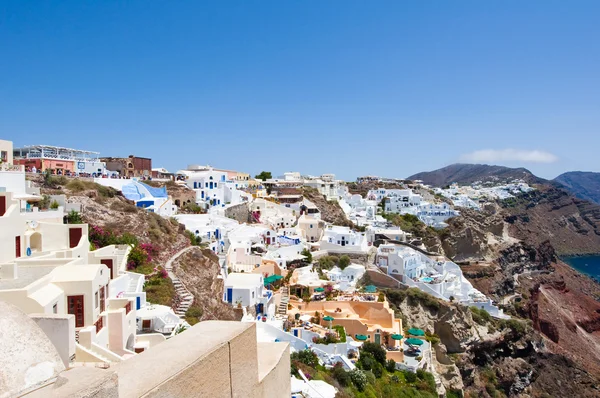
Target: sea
{"points": [[589, 265]]}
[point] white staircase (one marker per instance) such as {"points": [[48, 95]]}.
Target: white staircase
{"points": [[285, 299]]}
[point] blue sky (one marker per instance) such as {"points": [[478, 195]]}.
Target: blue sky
{"points": [[350, 87]]}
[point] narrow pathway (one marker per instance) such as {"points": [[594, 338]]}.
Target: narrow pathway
{"points": [[184, 297]]}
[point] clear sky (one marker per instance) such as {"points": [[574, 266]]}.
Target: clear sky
{"points": [[347, 87]]}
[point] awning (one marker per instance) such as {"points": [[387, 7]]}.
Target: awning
{"points": [[271, 279]]}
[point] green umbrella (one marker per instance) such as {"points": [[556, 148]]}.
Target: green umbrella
{"points": [[396, 336], [416, 332], [361, 337], [319, 289], [371, 289], [412, 341], [328, 318]]}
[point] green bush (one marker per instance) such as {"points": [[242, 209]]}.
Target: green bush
{"points": [[341, 375], [390, 365], [306, 357], [74, 217], [480, 316], [409, 376], [341, 332], [359, 379], [344, 262], [54, 205], [193, 314]]}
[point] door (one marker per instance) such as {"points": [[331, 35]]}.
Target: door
{"points": [[229, 295], [138, 302], [74, 237], [377, 338], [146, 324], [75, 307], [18, 246], [109, 264], [2, 205]]}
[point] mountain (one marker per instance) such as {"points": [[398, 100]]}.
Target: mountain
{"points": [[464, 174], [585, 185]]}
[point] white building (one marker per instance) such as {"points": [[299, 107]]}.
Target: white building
{"points": [[246, 289], [336, 238], [437, 276], [346, 279], [401, 261], [48, 268]]}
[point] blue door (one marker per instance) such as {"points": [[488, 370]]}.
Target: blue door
{"points": [[210, 185], [296, 332], [216, 233], [138, 302], [229, 295]]}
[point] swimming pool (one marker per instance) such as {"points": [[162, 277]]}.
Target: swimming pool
{"points": [[427, 279]]}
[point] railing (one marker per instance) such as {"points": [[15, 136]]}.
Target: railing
{"points": [[11, 167]]}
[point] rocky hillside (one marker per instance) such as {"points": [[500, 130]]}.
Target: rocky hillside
{"points": [[570, 224], [464, 174], [330, 210], [584, 185], [197, 269]]}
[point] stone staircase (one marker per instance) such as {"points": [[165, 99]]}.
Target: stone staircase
{"points": [[285, 299], [184, 298]]}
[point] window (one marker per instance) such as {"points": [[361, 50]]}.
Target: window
{"points": [[55, 308], [311, 225], [96, 301], [252, 294]]}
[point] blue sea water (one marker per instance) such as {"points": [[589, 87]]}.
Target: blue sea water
{"points": [[589, 265]]}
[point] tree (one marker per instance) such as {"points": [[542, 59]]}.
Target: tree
{"points": [[306, 253], [376, 350], [264, 175], [344, 261]]}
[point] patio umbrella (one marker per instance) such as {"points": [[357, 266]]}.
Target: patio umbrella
{"points": [[319, 289], [396, 336], [416, 332], [361, 337], [328, 319], [412, 341]]}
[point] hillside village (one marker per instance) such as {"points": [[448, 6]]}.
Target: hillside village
{"points": [[299, 285]]}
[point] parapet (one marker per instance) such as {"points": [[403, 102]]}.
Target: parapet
{"points": [[212, 359]]}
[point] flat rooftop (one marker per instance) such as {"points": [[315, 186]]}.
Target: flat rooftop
{"points": [[26, 276]]}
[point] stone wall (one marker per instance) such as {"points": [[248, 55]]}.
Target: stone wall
{"points": [[240, 213], [382, 280]]}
